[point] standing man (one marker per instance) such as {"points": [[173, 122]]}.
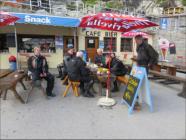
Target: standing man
{"points": [[146, 55], [38, 67]]}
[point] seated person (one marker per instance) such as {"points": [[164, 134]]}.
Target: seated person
{"points": [[61, 67], [77, 71], [99, 58], [116, 67], [38, 67]]}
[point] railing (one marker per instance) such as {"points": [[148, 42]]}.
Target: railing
{"points": [[60, 9], [50, 8]]}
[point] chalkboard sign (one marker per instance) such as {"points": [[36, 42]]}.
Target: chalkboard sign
{"points": [[130, 90], [138, 85]]}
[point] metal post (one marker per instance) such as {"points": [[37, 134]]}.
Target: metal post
{"points": [[31, 5], [77, 8], [15, 33], [75, 44], [50, 6]]}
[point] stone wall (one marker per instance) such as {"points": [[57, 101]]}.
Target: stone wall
{"points": [[175, 33]]}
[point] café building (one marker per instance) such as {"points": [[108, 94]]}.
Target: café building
{"points": [[54, 35]]}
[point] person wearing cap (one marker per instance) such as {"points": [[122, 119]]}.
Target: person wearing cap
{"points": [[37, 65], [146, 55], [62, 67], [117, 68], [77, 71], [99, 58]]}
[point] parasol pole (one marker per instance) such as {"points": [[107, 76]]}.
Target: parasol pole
{"points": [[106, 101], [15, 34], [109, 73]]}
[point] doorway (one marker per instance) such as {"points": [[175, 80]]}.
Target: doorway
{"points": [[91, 46]]}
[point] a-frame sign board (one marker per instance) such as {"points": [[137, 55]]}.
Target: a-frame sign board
{"points": [[138, 85]]}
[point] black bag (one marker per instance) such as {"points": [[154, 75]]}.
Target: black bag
{"points": [[153, 54]]}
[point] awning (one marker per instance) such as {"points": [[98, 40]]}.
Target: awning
{"points": [[46, 20]]}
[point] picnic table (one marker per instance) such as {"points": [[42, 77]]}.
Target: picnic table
{"points": [[5, 72], [102, 78], [181, 68], [170, 68], [10, 82]]}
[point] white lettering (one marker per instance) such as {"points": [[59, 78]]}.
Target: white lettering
{"points": [[95, 22], [27, 18], [99, 22], [89, 23], [110, 25], [44, 20]]}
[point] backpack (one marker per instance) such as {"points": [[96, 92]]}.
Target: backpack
{"points": [[153, 54]]}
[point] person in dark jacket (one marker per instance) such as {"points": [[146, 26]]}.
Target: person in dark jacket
{"points": [[99, 58], [117, 68], [62, 67], [37, 65], [146, 55], [77, 71]]}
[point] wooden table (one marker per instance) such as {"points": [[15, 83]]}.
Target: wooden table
{"points": [[5, 72], [181, 68], [101, 79], [170, 68], [10, 82]]}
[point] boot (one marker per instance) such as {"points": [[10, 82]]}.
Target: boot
{"points": [[115, 89], [87, 88], [84, 93], [90, 94], [59, 67], [50, 94], [82, 90], [60, 74], [137, 106]]}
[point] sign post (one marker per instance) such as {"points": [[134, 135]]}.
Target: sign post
{"points": [[138, 86]]}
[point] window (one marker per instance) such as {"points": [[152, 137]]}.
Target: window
{"points": [[107, 43], [10, 40], [3, 46], [7, 41], [126, 45], [91, 43], [26, 43], [70, 42]]}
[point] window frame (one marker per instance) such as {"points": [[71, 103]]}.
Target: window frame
{"points": [[22, 48], [123, 47], [114, 43]]}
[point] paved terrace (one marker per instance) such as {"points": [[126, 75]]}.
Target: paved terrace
{"points": [[80, 117]]}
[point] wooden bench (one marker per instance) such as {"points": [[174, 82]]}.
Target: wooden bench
{"points": [[10, 82], [74, 85], [35, 84], [5, 72], [65, 80], [171, 77], [122, 79]]}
